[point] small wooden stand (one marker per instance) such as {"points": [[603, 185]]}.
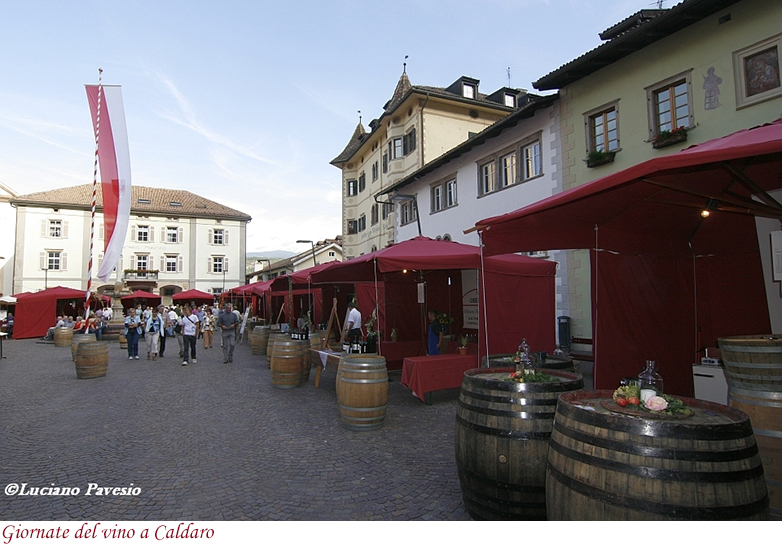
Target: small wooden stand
{"points": [[324, 342], [333, 322]]}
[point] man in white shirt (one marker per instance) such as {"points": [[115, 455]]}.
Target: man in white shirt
{"points": [[50, 332], [353, 327], [190, 328]]}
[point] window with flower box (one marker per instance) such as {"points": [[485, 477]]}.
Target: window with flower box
{"points": [[670, 104]]}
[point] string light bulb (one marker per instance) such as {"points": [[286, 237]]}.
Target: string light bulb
{"points": [[711, 204]]}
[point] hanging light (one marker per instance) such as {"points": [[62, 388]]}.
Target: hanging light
{"points": [[711, 204]]}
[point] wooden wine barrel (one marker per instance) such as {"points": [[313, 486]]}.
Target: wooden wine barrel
{"points": [[92, 359], [306, 362], [123, 341], [612, 463], [501, 439], [362, 391], [552, 362], [63, 337], [315, 340], [753, 370], [259, 340], [764, 409], [753, 362], [80, 338], [274, 335], [286, 363]]}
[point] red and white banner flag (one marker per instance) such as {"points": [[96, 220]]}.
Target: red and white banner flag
{"points": [[114, 160]]}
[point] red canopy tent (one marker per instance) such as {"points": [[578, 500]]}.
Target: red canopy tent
{"points": [[193, 295], [139, 296], [299, 286], [36, 312], [519, 296], [665, 280], [256, 292]]}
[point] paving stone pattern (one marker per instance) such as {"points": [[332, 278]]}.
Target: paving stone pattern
{"points": [[214, 441]]}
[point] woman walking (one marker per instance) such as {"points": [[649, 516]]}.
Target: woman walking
{"points": [[132, 333], [154, 329], [208, 327]]}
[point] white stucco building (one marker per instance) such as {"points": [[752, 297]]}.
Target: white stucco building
{"points": [[510, 164], [176, 241], [418, 124]]}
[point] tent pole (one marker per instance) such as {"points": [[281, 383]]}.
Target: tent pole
{"points": [[597, 307], [483, 300], [695, 299], [377, 313]]}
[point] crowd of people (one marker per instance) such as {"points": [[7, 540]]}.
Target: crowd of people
{"points": [[186, 324], [155, 325], [96, 323]]}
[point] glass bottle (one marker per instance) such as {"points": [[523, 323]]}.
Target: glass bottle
{"points": [[651, 382], [525, 357]]}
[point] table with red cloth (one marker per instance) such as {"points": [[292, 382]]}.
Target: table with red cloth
{"points": [[396, 351], [424, 374]]}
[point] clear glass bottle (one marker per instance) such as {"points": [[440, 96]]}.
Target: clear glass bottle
{"points": [[525, 362], [651, 381]]}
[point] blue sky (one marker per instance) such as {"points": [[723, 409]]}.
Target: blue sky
{"points": [[247, 102]]}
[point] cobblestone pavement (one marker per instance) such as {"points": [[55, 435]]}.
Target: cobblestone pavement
{"points": [[214, 442]]}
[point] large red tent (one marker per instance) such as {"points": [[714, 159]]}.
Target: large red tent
{"points": [[36, 312], [256, 293], [666, 281], [140, 296], [305, 295], [193, 295], [519, 292]]}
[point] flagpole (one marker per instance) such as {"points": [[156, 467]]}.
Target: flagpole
{"points": [[94, 194]]}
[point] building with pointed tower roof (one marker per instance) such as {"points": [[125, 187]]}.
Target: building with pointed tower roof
{"points": [[418, 124]]}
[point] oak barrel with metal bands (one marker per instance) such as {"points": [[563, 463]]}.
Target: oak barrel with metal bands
{"points": [[123, 341], [92, 359], [362, 391], [753, 369], [259, 340], [501, 441], [304, 347], [753, 362], [274, 335], [764, 409], [63, 337], [286, 363], [614, 465], [80, 338], [553, 362]]}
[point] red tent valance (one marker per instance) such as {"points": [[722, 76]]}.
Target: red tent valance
{"points": [[193, 295], [131, 299]]}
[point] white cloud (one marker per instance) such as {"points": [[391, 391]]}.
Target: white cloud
{"points": [[190, 122]]}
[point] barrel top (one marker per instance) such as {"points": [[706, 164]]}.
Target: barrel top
{"points": [[495, 378], [363, 357], [761, 340], [91, 344], [703, 413]]}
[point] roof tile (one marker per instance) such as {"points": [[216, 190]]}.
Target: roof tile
{"points": [[160, 201]]}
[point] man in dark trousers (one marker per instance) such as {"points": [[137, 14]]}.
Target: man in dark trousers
{"points": [[228, 324]]}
